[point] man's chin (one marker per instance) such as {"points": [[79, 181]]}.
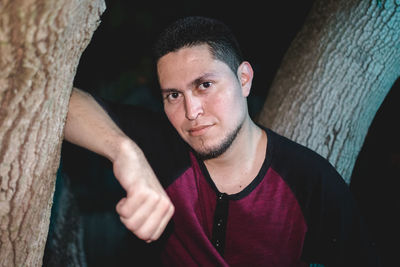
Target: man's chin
{"points": [[205, 155], [212, 152]]}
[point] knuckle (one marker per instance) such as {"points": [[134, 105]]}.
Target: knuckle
{"points": [[167, 207], [164, 203], [131, 226], [171, 210], [142, 234], [156, 236], [147, 195], [155, 198], [140, 194]]}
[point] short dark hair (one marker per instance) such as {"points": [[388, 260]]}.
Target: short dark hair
{"points": [[196, 30]]}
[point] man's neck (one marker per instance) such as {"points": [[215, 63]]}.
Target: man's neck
{"points": [[240, 164]]}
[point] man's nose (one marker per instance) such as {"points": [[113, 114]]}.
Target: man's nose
{"points": [[193, 107]]}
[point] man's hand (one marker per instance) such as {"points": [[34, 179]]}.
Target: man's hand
{"points": [[146, 210]]}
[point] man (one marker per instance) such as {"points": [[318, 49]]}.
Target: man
{"points": [[238, 194]]}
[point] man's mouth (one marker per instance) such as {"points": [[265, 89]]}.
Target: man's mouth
{"points": [[199, 130]]}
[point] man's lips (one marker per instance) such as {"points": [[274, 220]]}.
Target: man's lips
{"points": [[199, 130]]}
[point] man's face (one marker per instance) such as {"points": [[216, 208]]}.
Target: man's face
{"points": [[203, 99]]}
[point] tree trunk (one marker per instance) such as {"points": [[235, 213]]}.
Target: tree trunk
{"points": [[41, 42], [335, 76]]}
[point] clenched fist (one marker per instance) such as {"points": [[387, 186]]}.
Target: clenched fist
{"points": [[146, 210]]}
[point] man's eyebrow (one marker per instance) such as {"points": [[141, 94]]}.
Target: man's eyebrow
{"points": [[169, 90], [195, 82], [202, 78]]}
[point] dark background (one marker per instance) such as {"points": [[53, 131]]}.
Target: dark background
{"points": [[117, 65]]}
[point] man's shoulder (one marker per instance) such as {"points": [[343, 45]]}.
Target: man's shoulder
{"points": [[298, 164], [285, 148]]}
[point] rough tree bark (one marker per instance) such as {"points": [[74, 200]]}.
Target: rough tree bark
{"points": [[41, 42], [335, 76]]}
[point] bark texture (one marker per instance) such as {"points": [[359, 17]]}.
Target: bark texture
{"points": [[334, 77], [41, 42]]}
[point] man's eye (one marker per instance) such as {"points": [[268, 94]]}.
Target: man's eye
{"points": [[205, 85], [173, 96]]}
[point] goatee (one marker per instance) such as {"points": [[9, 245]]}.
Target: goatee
{"points": [[217, 151]]}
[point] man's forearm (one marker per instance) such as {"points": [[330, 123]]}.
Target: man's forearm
{"points": [[88, 125], [146, 209]]}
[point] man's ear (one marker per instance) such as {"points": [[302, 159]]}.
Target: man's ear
{"points": [[245, 75]]}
